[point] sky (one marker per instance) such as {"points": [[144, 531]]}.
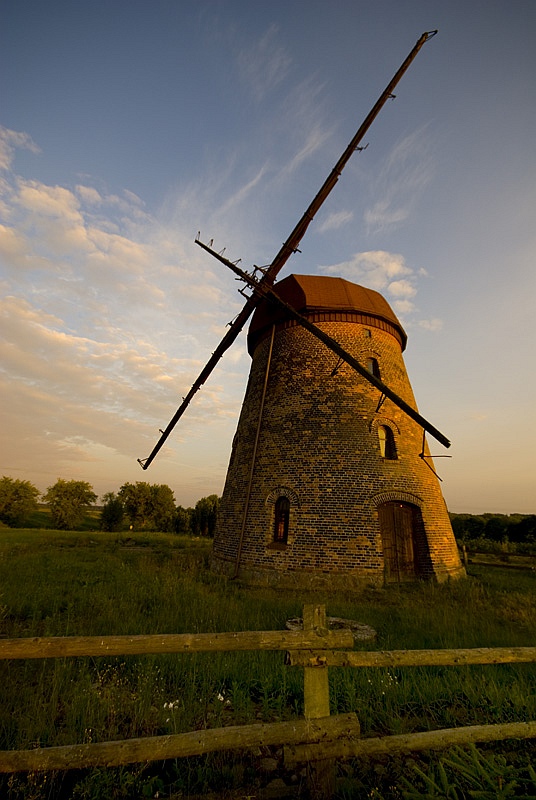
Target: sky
{"points": [[128, 126]]}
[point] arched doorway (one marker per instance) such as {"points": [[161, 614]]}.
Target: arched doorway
{"points": [[402, 533]]}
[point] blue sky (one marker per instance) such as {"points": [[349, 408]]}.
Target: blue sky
{"points": [[126, 127]]}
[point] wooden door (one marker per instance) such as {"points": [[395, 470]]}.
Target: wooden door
{"points": [[397, 526]]}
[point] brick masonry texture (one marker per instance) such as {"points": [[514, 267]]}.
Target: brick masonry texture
{"points": [[318, 446]]}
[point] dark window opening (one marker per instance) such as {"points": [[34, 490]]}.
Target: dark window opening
{"points": [[387, 443], [282, 515], [373, 367]]}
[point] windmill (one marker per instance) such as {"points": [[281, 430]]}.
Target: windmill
{"points": [[320, 486]]}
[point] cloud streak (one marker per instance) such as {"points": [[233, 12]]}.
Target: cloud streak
{"points": [[10, 141], [404, 175], [264, 65]]}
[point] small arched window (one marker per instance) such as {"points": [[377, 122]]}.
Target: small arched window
{"points": [[373, 367], [281, 519], [387, 443]]}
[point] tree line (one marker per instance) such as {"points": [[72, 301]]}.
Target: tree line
{"points": [[516, 528], [136, 506], [146, 506]]}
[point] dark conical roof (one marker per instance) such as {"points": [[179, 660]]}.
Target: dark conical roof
{"points": [[324, 298]]}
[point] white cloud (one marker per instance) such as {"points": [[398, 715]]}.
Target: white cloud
{"points": [[13, 247], [433, 324], [403, 306], [49, 201], [377, 268], [10, 141], [89, 195], [402, 289], [385, 272]]}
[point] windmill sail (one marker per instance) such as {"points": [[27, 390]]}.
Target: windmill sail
{"points": [[266, 291], [289, 247]]}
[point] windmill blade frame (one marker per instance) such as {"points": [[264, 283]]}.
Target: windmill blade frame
{"points": [[289, 247], [263, 291]]}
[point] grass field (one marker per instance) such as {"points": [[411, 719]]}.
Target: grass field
{"points": [[91, 583]]}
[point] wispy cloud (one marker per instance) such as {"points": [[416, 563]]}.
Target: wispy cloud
{"points": [[405, 174], [10, 141], [314, 141], [264, 64], [240, 195], [336, 220]]}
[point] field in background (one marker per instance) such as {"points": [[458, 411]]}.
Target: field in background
{"points": [[92, 583]]}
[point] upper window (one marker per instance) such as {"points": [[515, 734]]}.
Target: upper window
{"points": [[373, 367], [281, 520], [387, 442]]}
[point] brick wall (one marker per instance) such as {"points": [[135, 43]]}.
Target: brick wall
{"points": [[318, 445]]}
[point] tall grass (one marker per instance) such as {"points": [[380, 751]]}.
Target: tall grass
{"points": [[99, 584]]}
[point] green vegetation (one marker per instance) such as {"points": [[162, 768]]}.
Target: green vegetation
{"points": [[493, 532], [136, 506], [18, 500], [91, 583], [67, 501], [148, 506]]}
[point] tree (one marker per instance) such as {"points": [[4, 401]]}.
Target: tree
{"points": [[524, 530], [183, 520], [136, 499], [18, 499], [467, 526], [112, 512], [496, 527], [68, 500], [149, 506], [164, 510], [205, 515]]}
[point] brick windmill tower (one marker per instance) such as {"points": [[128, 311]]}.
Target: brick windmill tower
{"points": [[330, 477], [330, 482]]}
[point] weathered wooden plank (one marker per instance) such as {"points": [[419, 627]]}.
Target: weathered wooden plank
{"points": [[316, 681], [61, 646], [157, 748], [411, 742], [412, 658], [320, 774]]}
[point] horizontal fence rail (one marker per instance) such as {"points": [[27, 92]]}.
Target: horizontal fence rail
{"points": [[408, 742], [61, 646], [413, 658], [180, 745]]}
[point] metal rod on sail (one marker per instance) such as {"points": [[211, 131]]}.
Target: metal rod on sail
{"points": [[289, 247]]}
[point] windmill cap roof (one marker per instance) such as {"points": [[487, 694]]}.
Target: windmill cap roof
{"points": [[324, 298]]}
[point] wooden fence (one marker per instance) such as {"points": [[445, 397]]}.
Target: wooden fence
{"points": [[317, 739]]}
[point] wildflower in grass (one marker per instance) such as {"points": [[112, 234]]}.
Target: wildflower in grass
{"points": [[221, 697]]}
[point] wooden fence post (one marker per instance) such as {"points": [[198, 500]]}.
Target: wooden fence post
{"points": [[320, 774]]}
